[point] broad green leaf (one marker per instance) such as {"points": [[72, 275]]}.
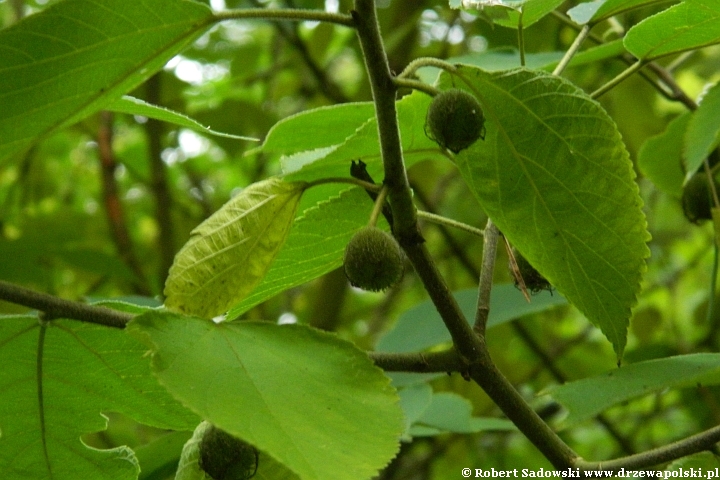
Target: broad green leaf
{"points": [[73, 58], [599, 10], [703, 461], [159, 458], [449, 412], [189, 468], [363, 145], [511, 13], [661, 157], [315, 403], [555, 177], [421, 327], [230, 252], [299, 132], [703, 130], [315, 245], [689, 25], [86, 370], [414, 400], [588, 397], [135, 106]]}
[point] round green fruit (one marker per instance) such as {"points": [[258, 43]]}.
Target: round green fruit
{"points": [[224, 457], [373, 260], [697, 198], [455, 120]]}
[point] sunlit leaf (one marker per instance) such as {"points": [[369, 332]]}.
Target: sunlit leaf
{"points": [[703, 130], [313, 402], [513, 12], [230, 252], [587, 397], [686, 26], [135, 106], [86, 369], [556, 179], [73, 58]]}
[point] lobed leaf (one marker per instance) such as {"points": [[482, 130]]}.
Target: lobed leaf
{"points": [[229, 253], [587, 397], [686, 26], [703, 130], [555, 177], [86, 369], [73, 58], [315, 403]]}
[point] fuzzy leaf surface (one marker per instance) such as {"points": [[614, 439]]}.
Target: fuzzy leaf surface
{"points": [[86, 369], [686, 26], [229, 253], [587, 397], [73, 58], [555, 177], [703, 131], [315, 403]]}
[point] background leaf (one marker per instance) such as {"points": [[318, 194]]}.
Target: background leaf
{"points": [[555, 177], [587, 397], [661, 157], [421, 327], [703, 130], [601, 9], [686, 26], [315, 403], [135, 106], [87, 369], [68, 61], [507, 13], [230, 252]]}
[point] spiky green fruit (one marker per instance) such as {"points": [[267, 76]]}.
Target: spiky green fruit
{"points": [[455, 120], [373, 260], [697, 198], [224, 457]]}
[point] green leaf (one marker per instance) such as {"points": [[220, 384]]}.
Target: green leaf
{"points": [[299, 132], [510, 13], [421, 327], [159, 458], [703, 130], [689, 25], [135, 106], [313, 402], [230, 252], [601, 9], [414, 400], [555, 177], [661, 157], [588, 397], [316, 243], [71, 59], [86, 369], [449, 412]]}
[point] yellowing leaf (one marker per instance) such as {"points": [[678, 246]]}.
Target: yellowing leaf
{"points": [[230, 252]]}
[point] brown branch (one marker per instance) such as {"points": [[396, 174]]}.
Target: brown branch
{"points": [[446, 361], [54, 307], [159, 182], [113, 205]]}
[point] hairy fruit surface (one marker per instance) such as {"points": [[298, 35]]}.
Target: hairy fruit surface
{"points": [[373, 260], [224, 457], [455, 120], [697, 198]]}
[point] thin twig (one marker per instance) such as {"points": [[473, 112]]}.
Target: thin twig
{"points": [[418, 63], [582, 35], [285, 14], [55, 307], [492, 235], [440, 220], [416, 85], [445, 361]]}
